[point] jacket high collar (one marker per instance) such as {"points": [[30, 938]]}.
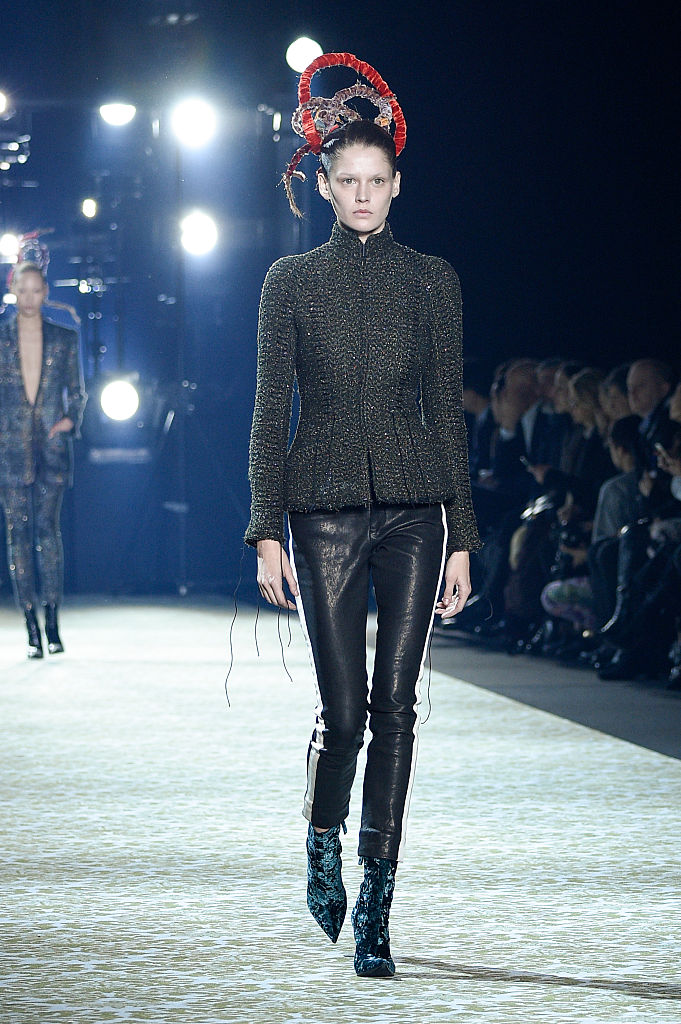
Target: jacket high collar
{"points": [[347, 242]]}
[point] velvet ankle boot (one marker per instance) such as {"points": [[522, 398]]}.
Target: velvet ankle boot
{"points": [[326, 897], [54, 644], [35, 644], [370, 919]]}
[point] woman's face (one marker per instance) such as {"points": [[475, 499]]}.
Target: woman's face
{"points": [[31, 292], [560, 392], [360, 188], [581, 411], [614, 402]]}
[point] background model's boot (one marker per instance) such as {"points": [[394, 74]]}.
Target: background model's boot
{"points": [[370, 919], [54, 644], [326, 897], [35, 644]]}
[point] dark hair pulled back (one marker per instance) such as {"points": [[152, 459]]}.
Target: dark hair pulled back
{"points": [[357, 133]]}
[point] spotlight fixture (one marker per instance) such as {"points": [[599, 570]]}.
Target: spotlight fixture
{"points": [[117, 114], [119, 399], [199, 233], [89, 208], [9, 248], [302, 52], [194, 122], [7, 111]]}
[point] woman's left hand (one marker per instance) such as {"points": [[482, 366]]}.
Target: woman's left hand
{"points": [[457, 585], [62, 426], [668, 463]]}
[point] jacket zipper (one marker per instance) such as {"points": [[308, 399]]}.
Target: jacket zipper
{"points": [[366, 369]]}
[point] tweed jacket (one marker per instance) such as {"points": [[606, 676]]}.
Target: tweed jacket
{"points": [[371, 333], [24, 445]]}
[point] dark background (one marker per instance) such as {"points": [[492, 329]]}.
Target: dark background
{"points": [[542, 160]]}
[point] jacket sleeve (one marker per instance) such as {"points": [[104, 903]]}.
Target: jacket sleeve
{"points": [[277, 338], [75, 388], [442, 397]]}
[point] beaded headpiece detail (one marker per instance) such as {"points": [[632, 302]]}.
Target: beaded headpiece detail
{"points": [[317, 117]]}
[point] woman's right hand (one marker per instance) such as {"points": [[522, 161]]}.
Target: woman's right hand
{"points": [[273, 568]]}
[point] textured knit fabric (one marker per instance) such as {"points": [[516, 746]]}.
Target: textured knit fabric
{"points": [[372, 334], [26, 452]]}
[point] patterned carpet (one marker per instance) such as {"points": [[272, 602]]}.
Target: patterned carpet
{"points": [[153, 870]]}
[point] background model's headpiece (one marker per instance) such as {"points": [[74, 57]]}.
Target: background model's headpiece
{"points": [[32, 250], [317, 117]]}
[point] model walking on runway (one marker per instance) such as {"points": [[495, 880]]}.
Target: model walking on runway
{"points": [[375, 485], [41, 405]]}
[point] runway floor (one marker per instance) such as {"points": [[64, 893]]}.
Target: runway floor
{"points": [[153, 868]]}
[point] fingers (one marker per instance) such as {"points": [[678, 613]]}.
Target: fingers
{"points": [[272, 589], [453, 599], [456, 604], [273, 568], [291, 579]]}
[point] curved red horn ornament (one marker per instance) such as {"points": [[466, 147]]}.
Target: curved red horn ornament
{"points": [[329, 60], [329, 114]]}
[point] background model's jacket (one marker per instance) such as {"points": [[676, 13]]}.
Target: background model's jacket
{"points": [[372, 333], [24, 445]]}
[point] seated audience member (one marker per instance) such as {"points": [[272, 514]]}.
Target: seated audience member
{"points": [[536, 550], [645, 620], [584, 600], [649, 384], [479, 417], [546, 379], [526, 432], [585, 462], [613, 394], [563, 375]]}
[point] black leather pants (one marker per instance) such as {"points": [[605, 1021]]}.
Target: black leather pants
{"points": [[335, 556]]}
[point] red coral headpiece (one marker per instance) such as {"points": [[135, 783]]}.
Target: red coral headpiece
{"points": [[317, 117]]}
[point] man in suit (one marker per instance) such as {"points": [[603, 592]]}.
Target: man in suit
{"points": [[479, 418], [649, 385]]}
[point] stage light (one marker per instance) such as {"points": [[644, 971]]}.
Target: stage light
{"points": [[302, 52], [119, 400], [199, 233], [89, 208], [9, 248], [5, 166], [117, 114], [4, 102], [194, 122]]}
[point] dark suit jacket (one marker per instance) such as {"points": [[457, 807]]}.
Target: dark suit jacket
{"points": [[544, 449], [658, 427], [585, 466], [24, 446], [480, 434]]}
